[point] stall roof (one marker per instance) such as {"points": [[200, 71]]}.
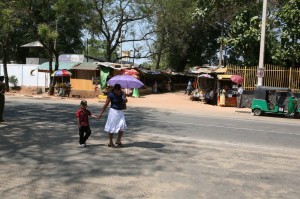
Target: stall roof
{"points": [[114, 66], [221, 70], [62, 65], [85, 66], [207, 70], [225, 77]]}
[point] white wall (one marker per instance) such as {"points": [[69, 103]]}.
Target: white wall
{"points": [[27, 75]]}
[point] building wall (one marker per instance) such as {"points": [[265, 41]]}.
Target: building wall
{"points": [[82, 84], [27, 75]]}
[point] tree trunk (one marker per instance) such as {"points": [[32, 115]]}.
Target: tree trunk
{"points": [[158, 58], [108, 53], [160, 52], [294, 57], [221, 46], [56, 67], [51, 86], [5, 59]]}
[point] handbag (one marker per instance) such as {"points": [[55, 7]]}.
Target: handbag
{"points": [[124, 106]]}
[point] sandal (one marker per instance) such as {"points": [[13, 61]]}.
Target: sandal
{"points": [[119, 144], [111, 145]]}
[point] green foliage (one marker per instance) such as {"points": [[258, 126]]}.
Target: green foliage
{"points": [[244, 39], [187, 33], [96, 48], [13, 80], [46, 33], [287, 51]]}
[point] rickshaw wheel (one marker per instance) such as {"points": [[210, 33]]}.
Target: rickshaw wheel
{"points": [[296, 115], [257, 112]]}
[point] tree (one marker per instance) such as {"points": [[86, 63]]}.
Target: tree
{"points": [[117, 21], [289, 31], [181, 39], [220, 14], [58, 24], [10, 21]]}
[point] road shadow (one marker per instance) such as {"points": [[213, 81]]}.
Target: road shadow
{"points": [[147, 145], [42, 136]]}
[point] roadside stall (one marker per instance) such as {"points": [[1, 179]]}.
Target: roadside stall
{"points": [[227, 91], [204, 86], [63, 86]]}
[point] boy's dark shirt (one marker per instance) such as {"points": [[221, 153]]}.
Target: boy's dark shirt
{"points": [[83, 116]]}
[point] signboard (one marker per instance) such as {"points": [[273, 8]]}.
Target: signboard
{"points": [[260, 72], [71, 58]]}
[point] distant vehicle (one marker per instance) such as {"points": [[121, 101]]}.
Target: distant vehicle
{"points": [[274, 100]]}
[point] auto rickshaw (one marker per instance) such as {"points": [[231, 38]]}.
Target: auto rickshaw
{"points": [[274, 100]]}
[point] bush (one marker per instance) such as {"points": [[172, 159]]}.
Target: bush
{"points": [[14, 81]]}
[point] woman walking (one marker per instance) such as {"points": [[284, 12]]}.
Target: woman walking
{"points": [[115, 121]]}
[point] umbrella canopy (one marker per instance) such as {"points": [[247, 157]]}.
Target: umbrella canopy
{"points": [[126, 81], [236, 79], [205, 76], [61, 73]]}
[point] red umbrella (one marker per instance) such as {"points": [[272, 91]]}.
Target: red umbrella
{"points": [[129, 72], [237, 79]]}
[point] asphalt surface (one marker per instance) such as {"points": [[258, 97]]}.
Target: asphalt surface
{"points": [[167, 154]]}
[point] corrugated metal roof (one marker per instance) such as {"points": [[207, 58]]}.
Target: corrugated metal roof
{"points": [[199, 70], [61, 65], [112, 65], [86, 66]]}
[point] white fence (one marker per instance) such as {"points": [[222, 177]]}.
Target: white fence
{"points": [[27, 75]]}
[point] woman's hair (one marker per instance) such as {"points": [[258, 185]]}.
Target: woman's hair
{"points": [[117, 87]]}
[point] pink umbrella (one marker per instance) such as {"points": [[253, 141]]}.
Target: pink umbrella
{"points": [[129, 72], [237, 79]]}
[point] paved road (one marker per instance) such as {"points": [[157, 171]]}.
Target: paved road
{"points": [[167, 155]]}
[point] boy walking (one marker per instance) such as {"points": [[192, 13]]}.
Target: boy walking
{"points": [[82, 116]]}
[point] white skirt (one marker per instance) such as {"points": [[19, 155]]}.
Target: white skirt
{"points": [[115, 121]]}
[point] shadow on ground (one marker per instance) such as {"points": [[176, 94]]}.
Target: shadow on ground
{"points": [[39, 139]]}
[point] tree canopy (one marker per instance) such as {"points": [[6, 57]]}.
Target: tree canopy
{"points": [[171, 33]]}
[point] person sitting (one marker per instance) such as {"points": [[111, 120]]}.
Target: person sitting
{"points": [[195, 96], [268, 100]]}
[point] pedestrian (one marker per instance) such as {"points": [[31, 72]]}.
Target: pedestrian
{"points": [[116, 120], [2, 97], [239, 96], [189, 87], [154, 87], [82, 116]]}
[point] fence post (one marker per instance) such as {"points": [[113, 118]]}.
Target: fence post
{"points": [[290, 77], [245, 73]]}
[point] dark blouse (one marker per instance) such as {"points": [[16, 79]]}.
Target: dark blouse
{"points": [[116, 101]]}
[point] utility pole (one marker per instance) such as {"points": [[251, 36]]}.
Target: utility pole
{"points": [[260, 70]]}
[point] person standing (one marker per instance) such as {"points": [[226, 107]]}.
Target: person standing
{"points": [[82, 116], [189, 88], [2, 97], [116, 120], [154, 87], [239, 96]]}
